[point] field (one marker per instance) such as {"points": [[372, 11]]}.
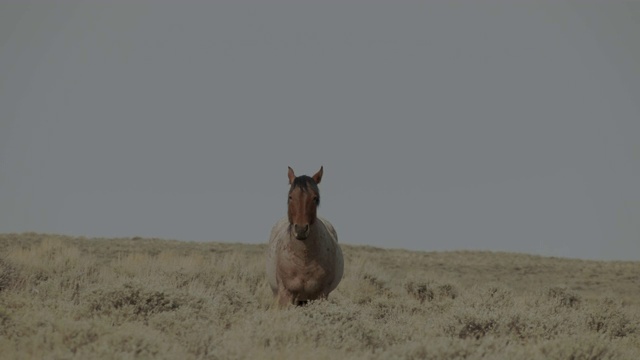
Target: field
{"points": [[64, 297]]}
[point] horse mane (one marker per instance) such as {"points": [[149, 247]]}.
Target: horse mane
{"points": [[305, 182]]}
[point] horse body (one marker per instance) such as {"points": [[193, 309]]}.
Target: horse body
{"points": [[304, 260]]}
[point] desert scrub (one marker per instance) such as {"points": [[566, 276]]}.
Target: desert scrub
{"points": [[65, 297], [609, 317], [8, 275]]}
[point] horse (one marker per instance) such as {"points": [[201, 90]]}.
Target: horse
{"points": [[304, 260]]}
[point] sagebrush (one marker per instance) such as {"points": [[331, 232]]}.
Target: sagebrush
{"points": [[64, 297]]}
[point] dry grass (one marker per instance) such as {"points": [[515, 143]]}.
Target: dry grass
{"points": [[63, 297]]}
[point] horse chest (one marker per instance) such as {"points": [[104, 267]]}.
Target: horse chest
{"points": [[309, 278]]}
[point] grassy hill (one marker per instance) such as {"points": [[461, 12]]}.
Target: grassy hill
{"points": [[64, 297]]}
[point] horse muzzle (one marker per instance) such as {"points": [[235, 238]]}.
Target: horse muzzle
{"points": [[301, 232]]}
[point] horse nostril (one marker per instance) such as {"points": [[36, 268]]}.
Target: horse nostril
{"points": [[301, 230]]}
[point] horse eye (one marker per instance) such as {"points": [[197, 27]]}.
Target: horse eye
{"points": [[315, 198], [289, 197]]}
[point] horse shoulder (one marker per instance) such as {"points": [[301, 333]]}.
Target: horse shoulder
{"points": [[279, 230], [337, 258], [330, 228], [276, 241]]}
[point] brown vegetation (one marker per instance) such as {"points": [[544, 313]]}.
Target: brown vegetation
{"points": [[63, 297]]}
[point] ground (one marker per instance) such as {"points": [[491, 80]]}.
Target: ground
{"points": [[66, 297]]}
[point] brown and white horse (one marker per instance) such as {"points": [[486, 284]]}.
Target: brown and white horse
{"points": [[304, 260]]}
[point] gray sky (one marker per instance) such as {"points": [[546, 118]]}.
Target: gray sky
{"points": [[441, 125]]}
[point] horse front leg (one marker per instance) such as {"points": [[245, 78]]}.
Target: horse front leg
{"points": [[285, 298]]}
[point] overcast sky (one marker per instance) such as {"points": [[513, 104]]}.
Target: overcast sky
{"points": [[441, 125]]}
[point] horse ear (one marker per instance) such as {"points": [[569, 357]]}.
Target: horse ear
{"points": [[291, 175], [318, 176]]}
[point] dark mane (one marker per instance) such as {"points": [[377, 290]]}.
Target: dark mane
{"points": [[305, 182]]}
